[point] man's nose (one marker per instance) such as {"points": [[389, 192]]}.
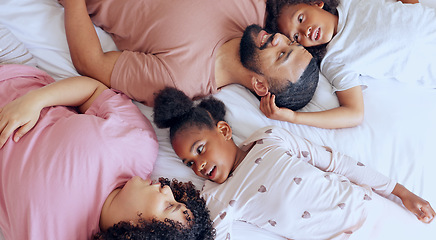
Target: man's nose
{"points": [[279, 40]]}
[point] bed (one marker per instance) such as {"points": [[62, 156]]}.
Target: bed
{"points": [[397, 137]]}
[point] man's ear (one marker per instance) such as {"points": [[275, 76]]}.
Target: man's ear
{"points": [[225, 129], [319, 4], [260, 85]]}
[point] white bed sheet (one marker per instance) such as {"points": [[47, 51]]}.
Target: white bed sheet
{"points": [[397, 137]]}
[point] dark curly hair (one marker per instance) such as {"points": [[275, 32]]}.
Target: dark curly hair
{"points": [[173, 109], [274, 9], [200, 227]]}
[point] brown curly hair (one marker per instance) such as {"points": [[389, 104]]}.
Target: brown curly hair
{"points": [[200, 226]]}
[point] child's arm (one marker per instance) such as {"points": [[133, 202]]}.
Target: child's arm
{"points": [[23, 113], [348, 114], [418, 206], [360, 174], [85, 48], [329, 160]]}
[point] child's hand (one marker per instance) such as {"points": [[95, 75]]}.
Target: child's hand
{"points": [[21, 114], [269, 108], [418, 206]]}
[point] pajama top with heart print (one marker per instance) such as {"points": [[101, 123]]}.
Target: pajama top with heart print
{"points": [[294, 188]]}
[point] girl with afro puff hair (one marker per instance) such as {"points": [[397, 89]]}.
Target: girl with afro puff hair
{"points": [[284, 183]]}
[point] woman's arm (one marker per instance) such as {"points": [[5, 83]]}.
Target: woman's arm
{"points": [[409, 1], [23, 113], [418, 206], [348, 114], [85, 48]]}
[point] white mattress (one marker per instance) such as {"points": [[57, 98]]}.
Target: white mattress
{"points": [[397, 137]]}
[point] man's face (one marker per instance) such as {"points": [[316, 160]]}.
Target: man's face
{"points": [[279, 57]]}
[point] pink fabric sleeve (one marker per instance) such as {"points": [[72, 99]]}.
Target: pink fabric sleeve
{"points": [[9, 71], [140, 76], [108, 102]]}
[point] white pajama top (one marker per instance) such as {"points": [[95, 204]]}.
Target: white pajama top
{"points": [[294, 188], [382, 39]]}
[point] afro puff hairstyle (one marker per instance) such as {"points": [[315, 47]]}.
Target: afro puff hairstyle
{"points": [[174, 110]]}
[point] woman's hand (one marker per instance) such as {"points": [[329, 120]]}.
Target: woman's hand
{"points": [[22, 114], [418, 206], [269, 108]]}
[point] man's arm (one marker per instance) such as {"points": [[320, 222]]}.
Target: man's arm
{"points": [[23, 113], [348, 114], [84, 44]]}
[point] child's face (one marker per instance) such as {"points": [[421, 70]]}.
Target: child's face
{"points": [[139, 196], [210, 153], [310, 25]]}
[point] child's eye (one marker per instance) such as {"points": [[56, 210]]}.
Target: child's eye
{"points": [[189, 163], [296, 36], [200, 149], [281, 55], [300, 18]]}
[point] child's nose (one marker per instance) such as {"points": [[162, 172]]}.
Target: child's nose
{"points": [[308, 31], [201, 166]]}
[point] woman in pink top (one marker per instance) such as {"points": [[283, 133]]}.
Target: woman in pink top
{"points": [[65, 175]]}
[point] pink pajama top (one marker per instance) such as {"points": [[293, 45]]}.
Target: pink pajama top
{"points": [[171, 43], [54, 181], [295, 189]]}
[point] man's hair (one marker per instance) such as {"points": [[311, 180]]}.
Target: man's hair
{"points": [[274, 10], [200, 226], [297, 95], [248, 51], [289, 95]]}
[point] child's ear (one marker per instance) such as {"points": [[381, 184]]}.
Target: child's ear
{"points": [[260, 85], [225, 129], [319, 4]]}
